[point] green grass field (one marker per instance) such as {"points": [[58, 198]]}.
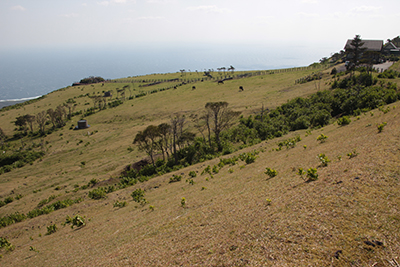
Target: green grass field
{"points": [[236, 217]]}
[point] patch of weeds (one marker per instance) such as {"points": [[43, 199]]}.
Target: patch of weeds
{"points": [[271, 172], [192, 174], [215, 169], [312, 174], [4, 243], [175, 178], [352, 154], [206, 170], [381, 126], [77, 221], [305, 146], [269, 201], [190, 181], [289, 143], [322, 138], [323, 159], [97, 193], [138, 196], [230, 170], [183, 202], [18, 197], [203, 188], [118, 204], [151, 207], [51, 229]]}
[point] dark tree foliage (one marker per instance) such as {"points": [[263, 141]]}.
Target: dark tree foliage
{"points": [[354, 52], [92, 79]]}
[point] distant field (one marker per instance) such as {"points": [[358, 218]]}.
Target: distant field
{"points": [[236, 216]]}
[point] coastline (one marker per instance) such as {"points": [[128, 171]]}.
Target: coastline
{"points": [[10, 102]]}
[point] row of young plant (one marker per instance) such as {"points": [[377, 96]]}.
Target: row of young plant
{"points": [[18, 217]]}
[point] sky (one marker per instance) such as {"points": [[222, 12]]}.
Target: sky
{"points": [[155, 23]]}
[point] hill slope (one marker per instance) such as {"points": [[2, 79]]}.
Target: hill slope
{"points": [[236, 217]]}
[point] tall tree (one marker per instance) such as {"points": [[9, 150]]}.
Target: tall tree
{"points": [[177, 124], [41, 119], [221, 118], [355, 51], [147, 141]]}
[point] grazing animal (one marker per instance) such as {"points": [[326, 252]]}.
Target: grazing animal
{"points": [[241, 88], [220, 82], [194, 87]]}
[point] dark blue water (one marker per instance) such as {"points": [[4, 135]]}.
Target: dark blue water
{"points": [[33, 72]]}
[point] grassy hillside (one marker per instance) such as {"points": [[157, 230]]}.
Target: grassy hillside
{"points": [[236, 217]]}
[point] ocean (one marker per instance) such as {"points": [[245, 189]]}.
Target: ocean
{"points": [[30, 73]]}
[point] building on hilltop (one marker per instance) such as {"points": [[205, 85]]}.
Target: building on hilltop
{"points": [[369, 45]]}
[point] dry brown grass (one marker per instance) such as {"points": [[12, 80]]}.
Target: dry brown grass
{"points": [[227, 220]]}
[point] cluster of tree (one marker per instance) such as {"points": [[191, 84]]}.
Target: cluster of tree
{"points": [[92, 79], [178, 145], [57, 118]]}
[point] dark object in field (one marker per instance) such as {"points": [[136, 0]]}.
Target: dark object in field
{"points": [[241, 89], [337, 254]]}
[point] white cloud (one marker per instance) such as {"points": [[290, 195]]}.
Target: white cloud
{"points": [[310, 1], [18, 8], [363, 9], [213, 9], [71, 15], [150, 18], [160, 1], [308, 15], [106, 3]]}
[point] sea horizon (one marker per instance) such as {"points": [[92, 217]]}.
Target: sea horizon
{"points": [[30, 73]]}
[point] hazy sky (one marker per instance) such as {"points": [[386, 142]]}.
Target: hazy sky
{"points": [[57, 23]]}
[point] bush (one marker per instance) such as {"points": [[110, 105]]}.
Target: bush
{"points": [[118, 204], [192, 174], [312, 174], [381, 126], [77, 221], [322, 138], [97, 193], [345, 120], [51, 229], [175, 178], [271, 172], [138, 196], [323, 159], [4, 243]]}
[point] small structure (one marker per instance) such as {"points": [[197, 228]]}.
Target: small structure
{"points": [[82, 124]]}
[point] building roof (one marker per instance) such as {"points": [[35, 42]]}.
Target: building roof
{"points": [[370, 45]]}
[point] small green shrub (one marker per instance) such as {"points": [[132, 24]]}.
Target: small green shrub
{"points": [[118, 204], [352, 154], [4, 243], [138, 196], [323, 159], [51, 229], [77, 221], [345, 120], [183, 202], [97, 193], [175, 178], [322, 138], [215, 169], [312, 174], [151, 207], [381, 126], [192, 174], [190, 181], [271, 172], [206, 170]]}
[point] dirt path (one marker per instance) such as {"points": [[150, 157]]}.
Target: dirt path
{"points": [[384, 66]]}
